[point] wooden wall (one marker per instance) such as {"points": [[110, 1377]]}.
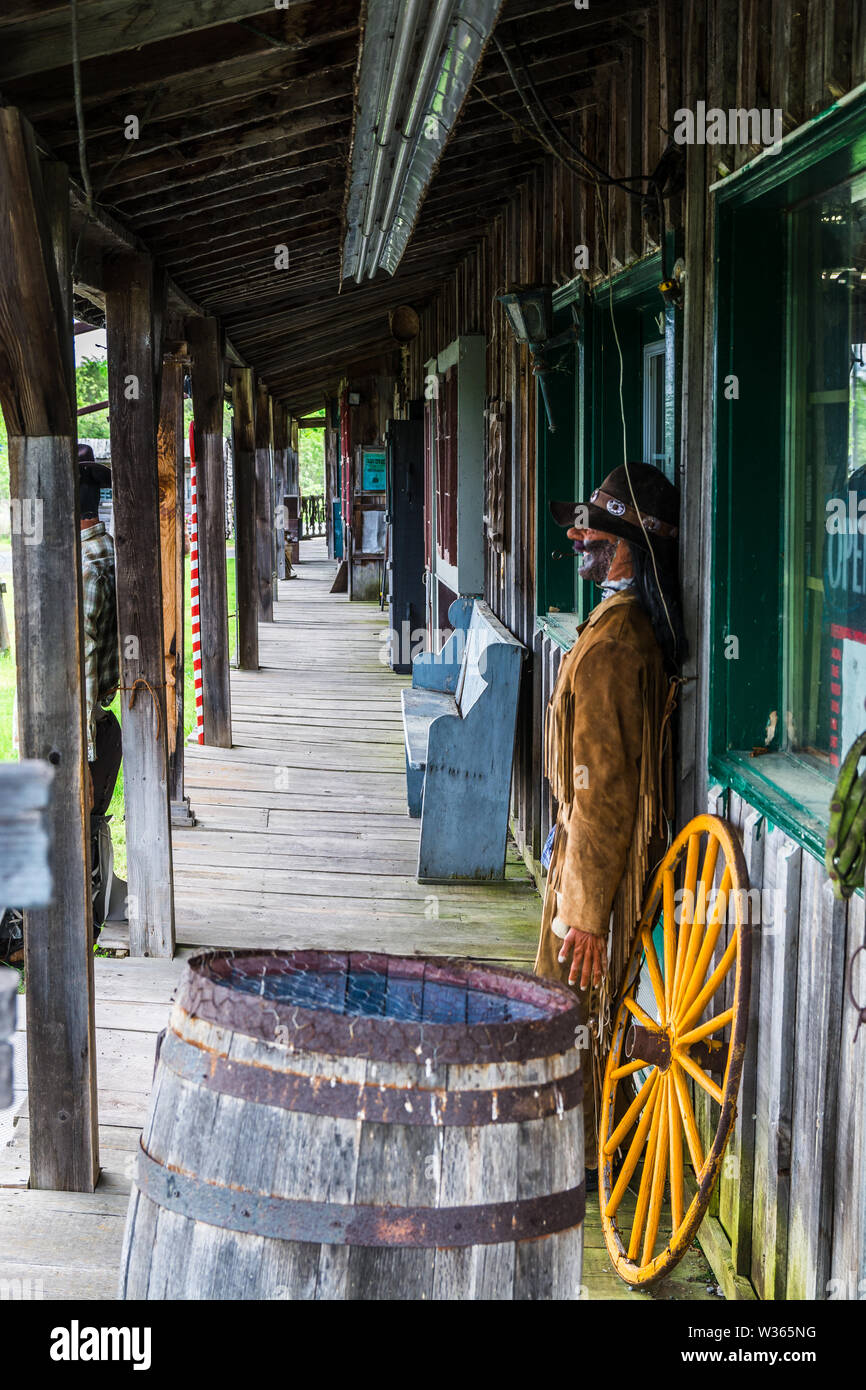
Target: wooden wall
{"points": [[795, 55], [792, 1206], [792, 1197]]}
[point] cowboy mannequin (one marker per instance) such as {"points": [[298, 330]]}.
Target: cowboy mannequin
{"points": [[608, 754]]}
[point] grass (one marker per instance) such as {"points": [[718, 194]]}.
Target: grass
{"points": [[7, 698]]}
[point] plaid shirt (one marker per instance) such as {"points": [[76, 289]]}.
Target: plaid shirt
{"points": [[101, 658]]}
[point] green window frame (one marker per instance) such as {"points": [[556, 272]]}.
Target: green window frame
{"points": [[754, 506], [587, 441]]}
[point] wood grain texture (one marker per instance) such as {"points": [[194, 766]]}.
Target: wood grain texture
{"points": [[25, 871], [736, 1186], [774, 1065], [169, 447], [133, 387], [35, 384], [246, 574], [264, 505], [34, 288], [306, 1155], [848, 1258], [820, 981]]}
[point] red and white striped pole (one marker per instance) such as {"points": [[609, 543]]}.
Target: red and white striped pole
{"points": [[193, 591]]}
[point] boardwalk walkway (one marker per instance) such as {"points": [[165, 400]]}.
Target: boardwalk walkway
{"points": [[303, 840]]}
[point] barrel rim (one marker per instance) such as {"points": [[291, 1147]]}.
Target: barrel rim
{"points": [[201, 994]]}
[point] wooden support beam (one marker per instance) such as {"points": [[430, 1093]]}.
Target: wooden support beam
{"points": [[37, 394], [246, 583], [264, 506], [281, 463], [134, 361], [41, 42], [171, 526], [208, 375]]}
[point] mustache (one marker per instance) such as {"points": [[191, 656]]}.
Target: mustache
{"points": [[587, 547]]}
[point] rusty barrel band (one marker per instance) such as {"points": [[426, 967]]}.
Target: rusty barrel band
{"points": [[360, 1100], [329, 1223]]}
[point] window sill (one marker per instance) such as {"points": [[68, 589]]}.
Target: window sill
{"points": [[561, 628], [791, 796]]}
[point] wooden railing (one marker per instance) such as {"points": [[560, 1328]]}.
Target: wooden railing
{"points": [[312, 517]]}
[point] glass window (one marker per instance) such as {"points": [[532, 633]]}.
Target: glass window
{"points": [[654, 447], [824, 691]]}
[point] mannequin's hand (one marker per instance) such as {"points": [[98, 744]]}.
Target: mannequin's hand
{"points": [[588, 957]]}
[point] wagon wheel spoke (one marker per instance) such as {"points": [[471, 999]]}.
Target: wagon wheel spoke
{"points": [[649, 1165], [711, 1026], [626, 1069], [687, 916], [675, 1140], [654, 970], [642, 1017], [698, 916], [632, 1113], [698, 1074], [687, 1116], [660, 1173], [636, 1147], [702, 997], [692, 986], [668, 898]]}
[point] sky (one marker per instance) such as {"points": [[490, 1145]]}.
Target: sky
{"points": [[90, 345]]}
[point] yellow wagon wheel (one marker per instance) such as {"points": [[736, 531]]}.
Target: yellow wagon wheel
{"points": [[689, 1033]]}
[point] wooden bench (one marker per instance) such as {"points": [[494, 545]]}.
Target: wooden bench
{"points": [[458, 720]]}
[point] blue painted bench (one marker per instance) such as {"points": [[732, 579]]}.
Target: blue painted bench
{"points": [[458, 720]]}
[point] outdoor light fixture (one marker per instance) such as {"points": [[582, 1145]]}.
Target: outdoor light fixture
{"points": [[530, 314], [418, 61]]}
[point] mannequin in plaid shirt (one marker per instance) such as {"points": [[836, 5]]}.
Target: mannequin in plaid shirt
{"points": [[101, 658]]}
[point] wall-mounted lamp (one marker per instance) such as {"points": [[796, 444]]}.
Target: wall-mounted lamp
{"points": [[530, 313], [672, 290]]}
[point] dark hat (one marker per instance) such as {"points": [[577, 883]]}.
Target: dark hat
{"points": [[611, 507], [92, 478], [85, 453]]}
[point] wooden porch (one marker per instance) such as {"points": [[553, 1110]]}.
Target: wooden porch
{"points": [[303, 840]]}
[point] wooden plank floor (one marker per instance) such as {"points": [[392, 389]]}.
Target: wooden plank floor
{"points": [[303, 841]]}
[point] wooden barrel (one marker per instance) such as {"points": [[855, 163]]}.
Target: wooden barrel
{"points": [[336, 1126]]}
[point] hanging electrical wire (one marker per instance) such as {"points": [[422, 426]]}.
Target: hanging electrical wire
{"points": [[566, 139], [582, 165], [79, 105]]}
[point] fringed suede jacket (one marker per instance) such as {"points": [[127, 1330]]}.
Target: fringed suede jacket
{"points": [[610, 769]]}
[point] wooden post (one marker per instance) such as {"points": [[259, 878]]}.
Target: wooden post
{"points": [[281, 453], [133, 361], [246, 581], [171, 482], [264, 506], [206, 345], [37, 394]]}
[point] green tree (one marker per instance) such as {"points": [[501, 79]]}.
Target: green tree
{"points": [[91, 385], [311, 455]]}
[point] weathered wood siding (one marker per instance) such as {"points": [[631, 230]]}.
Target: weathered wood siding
{"points": [[792, 1197], [742, 53], [795, 1210]]}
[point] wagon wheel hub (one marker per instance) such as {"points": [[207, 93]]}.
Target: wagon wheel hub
{"points": [[650, 1045]]}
